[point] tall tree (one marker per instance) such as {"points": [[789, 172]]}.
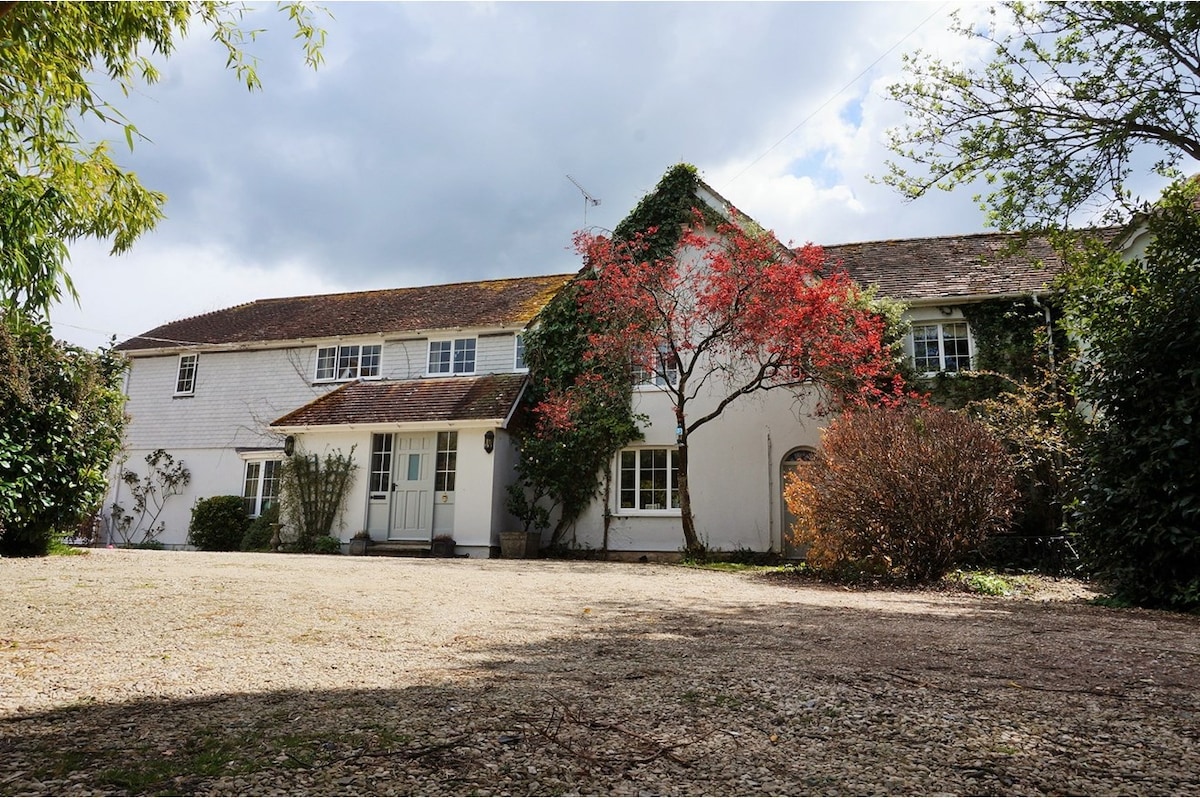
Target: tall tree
{"points": [[56, 187], [729, 313], [61, 422], [1076, 98], [60, 426]]}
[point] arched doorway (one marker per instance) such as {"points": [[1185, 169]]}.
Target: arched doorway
{"points": [[787, 466]]}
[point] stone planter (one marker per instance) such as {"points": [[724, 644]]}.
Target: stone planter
{"points": [[442, 547], [520, 545], [358, 546]]}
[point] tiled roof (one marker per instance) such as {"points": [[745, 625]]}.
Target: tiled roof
{"points": [[952, 266], [482, 304], [407, 401]]}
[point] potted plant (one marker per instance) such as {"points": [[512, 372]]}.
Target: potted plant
{"points": [[535, 517], [442, 546], [360, 541]]}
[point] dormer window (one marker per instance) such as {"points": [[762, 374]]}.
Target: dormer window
{"points": [[452, 357], [351, 362]]}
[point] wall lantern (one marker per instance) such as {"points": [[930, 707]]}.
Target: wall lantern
{"points": [[489, 441], [289, 445]]}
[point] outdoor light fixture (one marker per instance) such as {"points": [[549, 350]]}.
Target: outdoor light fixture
{"points": [[489, 441]]}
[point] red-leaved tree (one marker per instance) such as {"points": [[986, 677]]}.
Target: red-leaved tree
{"points": [[732, 313]]}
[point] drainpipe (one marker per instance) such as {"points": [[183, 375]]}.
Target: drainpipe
{"points": [[1049, 328]]}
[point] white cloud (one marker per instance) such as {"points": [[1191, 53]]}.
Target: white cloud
{"points": [[435, 145]]}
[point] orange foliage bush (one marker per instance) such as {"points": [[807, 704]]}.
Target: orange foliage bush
{"points": [[903, 491]]}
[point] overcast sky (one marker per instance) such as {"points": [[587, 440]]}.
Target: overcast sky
{"points": [[433, 146]]}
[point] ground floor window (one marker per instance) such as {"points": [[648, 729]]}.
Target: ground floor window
{"points": [[381, 465], [261, 489], [447, 462], [649, 480]]}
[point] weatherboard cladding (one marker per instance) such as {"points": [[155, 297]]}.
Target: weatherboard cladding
{"points": [[491, 303], [409, 401]]}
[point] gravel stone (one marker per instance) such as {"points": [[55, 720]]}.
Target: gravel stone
{"points": [[137, 672]]}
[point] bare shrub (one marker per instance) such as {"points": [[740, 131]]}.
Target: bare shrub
{"points": [[905, 492]]}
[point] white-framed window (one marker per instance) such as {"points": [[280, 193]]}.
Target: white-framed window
{"points": [[348, 362], [941, 346], [519, 363], [447, 462], [452, 357], [648, 481], [381, 465], [185, 377], [663, 371], [261, 486]]}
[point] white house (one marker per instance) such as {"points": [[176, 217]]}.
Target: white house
{"points": [[421, 383]]}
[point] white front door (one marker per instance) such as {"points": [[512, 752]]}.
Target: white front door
{"points": [[412, 488]]}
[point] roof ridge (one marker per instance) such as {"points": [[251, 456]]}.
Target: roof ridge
{"points": [[981, 234], [400, 288]]}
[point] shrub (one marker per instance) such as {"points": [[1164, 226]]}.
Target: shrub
{"points": [[218, 523], [904, 492], [327, 544], [1138, 509], [261, 530], [60, 426]]}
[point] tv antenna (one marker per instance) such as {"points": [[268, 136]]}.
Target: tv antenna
{"points": [[588, 199]]}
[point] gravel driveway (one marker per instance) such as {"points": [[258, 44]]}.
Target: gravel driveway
{"points": [[189, 673]]}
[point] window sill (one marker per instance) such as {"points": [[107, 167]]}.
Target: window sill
{"points": [[184, 395], [675, 513]]}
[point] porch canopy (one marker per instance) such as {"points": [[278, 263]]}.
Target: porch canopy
{"points": [[376, 403]]}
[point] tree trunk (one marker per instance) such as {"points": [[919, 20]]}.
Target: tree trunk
{"points": [[691, 540]]}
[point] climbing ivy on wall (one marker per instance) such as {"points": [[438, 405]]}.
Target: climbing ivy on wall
{"points": [[1011, 349], [563, 459]]}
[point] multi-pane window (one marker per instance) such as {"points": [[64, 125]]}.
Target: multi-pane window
{"points": [[381, 463], [649, 480], [185, 378], [452, 357], [261, 489], [349, 362], [447, 461], [519, 361], [661, 371], [944, 346]]}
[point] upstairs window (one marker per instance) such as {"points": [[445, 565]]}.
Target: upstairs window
{"points": [[945, 346], [519, 363], [663, 371], [342, 363], [185, 378], [452, 357]]}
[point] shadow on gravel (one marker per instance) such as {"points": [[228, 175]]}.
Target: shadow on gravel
{"points": [[1008, 698]]}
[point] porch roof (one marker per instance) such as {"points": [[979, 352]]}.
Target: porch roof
{"points": [[361, 402]]}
